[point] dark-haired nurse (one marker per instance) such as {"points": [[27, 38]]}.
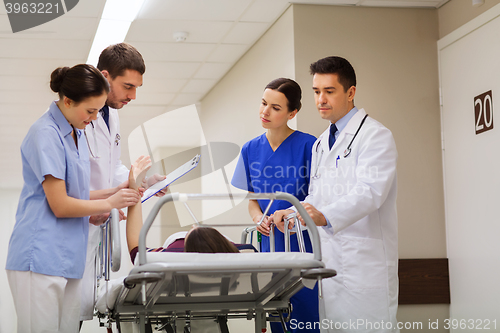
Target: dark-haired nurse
{"points": [[279, 160], [47, 248]]}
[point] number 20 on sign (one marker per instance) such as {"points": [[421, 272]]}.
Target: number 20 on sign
{"points": [[483, 111]]}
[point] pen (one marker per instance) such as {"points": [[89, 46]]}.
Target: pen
{"points": [[337, 161]]}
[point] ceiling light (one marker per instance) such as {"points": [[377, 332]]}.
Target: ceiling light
{"points": [[180, 36], [113, 26]]}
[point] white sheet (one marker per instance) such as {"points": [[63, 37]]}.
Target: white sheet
{"points": [[112, 289], [183, 257]]}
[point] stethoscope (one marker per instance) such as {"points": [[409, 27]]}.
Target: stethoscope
{"points": [[347, 152], [96, 146]]}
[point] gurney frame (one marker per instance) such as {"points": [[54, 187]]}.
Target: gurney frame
{"points": [[251, 287]]}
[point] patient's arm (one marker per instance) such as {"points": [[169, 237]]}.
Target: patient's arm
{"points": [[134, 218]]}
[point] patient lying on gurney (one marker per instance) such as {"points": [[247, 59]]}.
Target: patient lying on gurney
{"points": [[201, 240], [198, 239]]}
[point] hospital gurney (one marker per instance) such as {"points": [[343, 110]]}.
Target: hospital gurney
{"points": [[166, 287]]}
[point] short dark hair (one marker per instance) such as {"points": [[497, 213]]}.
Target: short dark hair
{"points": [[78, 82], [117, 58], [336, 65], [208, 240], [290, 89]]}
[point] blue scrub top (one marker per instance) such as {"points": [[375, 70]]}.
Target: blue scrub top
{"points": [[262, 170], [41, 242]]}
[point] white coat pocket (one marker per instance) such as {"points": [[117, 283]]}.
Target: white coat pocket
{"points": [[364, 264]]}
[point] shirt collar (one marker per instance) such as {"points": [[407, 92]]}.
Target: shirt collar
{"points": [[60, 120], [342, 122], [104, 110]]}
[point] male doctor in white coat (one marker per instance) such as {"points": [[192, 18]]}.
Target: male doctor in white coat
{"points": [[352, 201], [123, 67]]}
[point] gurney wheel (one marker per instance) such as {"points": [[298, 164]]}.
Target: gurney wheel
{"points": [[315, 273]]}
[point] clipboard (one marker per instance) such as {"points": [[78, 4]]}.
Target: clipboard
{"points": [[171, 177]]}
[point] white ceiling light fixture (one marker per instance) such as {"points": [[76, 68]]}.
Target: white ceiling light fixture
{"points": [[113, 26], [180, 36]]}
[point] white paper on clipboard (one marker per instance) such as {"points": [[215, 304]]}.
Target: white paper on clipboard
{"points": [[171, 177]]}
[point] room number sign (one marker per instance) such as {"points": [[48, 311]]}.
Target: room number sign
{"points": [[483, 111]]}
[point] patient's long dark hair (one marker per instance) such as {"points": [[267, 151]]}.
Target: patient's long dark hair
{"points": [[208, 240]]}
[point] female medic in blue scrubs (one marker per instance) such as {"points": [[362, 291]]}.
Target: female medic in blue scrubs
{"points": [[48, 245], [280, 160]]}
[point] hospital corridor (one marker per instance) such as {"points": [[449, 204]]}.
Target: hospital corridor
{"points": [[249, 166]]}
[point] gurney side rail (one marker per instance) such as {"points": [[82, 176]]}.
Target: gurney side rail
{"points": [[313, 232]]}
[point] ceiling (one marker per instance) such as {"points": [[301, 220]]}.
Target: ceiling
{"points": [[177, 74]]}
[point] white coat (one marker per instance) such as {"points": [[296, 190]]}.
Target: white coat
{"points": [[106, 171], [357, 194]]}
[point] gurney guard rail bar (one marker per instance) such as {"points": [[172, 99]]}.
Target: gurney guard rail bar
{"points": [[109, 251], [183, 197]]}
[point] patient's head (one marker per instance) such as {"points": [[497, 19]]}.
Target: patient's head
{"points": [[207, 240]]}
